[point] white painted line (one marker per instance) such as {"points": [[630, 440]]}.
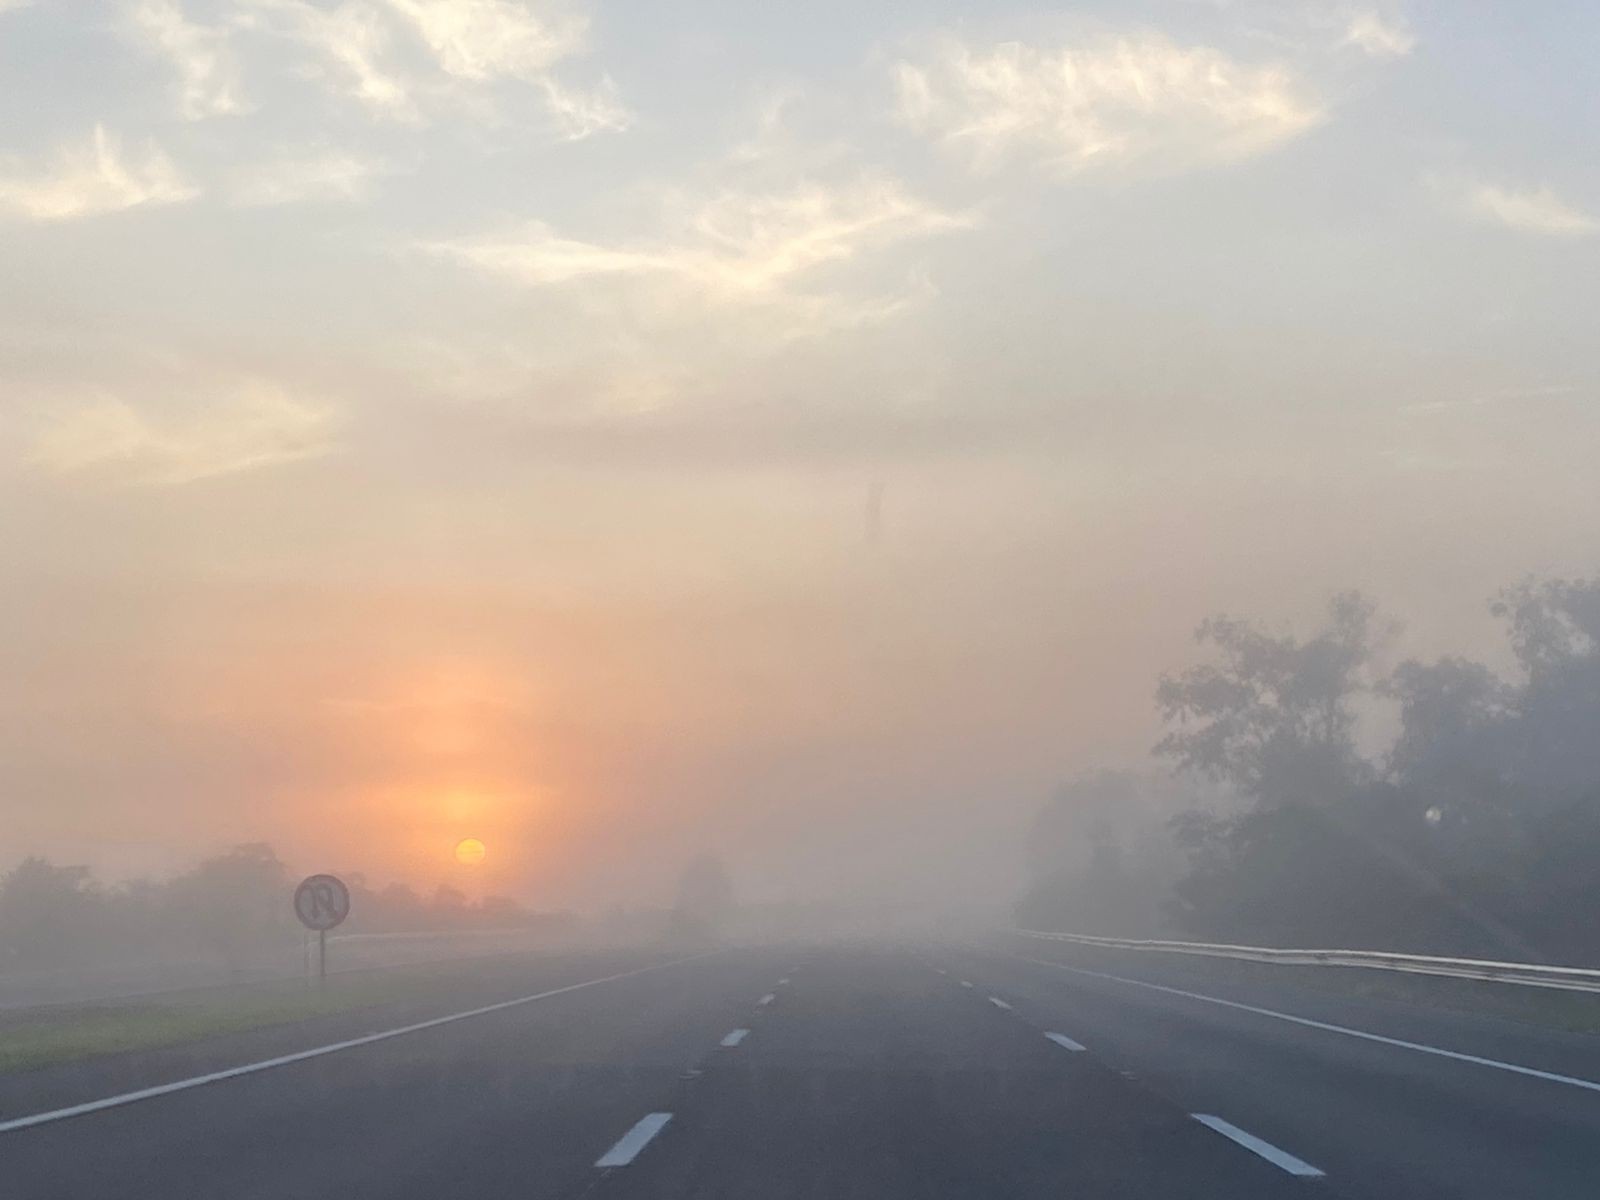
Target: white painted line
{"points": [[1421, 1047], [783, 981], [1064, 1041], [966, 983], [284, 1060], [737, 1036], [767, 999], [999, 1003], [939, 971], [1278, 1158], [635, 1140]]}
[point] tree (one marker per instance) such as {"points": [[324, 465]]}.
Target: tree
{"points": [[235, 901], [1080, 878], [1508, 772], [1477, 835], [449, 904], [398, 907], [45, 911], [501, 911], [1453, 715], [1554, 629], [1274, 719]]}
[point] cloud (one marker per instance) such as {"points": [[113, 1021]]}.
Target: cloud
{"points": [[208, 75], [403, 58], [580, 113], [320, 176], [732, 278], [352, 40], [256, 425], [487, 39], [735, 247], [1528, 210], [1378, 37], [92, 179], [1111, 104]]}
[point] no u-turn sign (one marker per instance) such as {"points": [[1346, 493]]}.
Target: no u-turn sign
{"points": [[321, 902]]}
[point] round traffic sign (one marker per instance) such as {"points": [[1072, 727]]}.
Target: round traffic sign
{"points": [[321, 901]]}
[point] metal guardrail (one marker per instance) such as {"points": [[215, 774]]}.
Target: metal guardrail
{"points": [[1566, 979]]}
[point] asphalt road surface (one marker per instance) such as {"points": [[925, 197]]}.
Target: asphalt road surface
{"points": [[1007, 1069]]}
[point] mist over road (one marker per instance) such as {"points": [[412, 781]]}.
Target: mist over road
{"points": [[882, 1070]]}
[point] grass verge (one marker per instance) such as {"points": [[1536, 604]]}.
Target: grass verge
{"points": [[61, 1034], [1577, 1012]]}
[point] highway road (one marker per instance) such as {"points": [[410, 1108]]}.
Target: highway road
{"points": [[998, 1069]]}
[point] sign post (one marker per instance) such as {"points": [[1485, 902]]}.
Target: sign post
{"points": [[322, 902]]}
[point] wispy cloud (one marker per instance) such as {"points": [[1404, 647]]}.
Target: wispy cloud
{"points": [[255, 425], [350, 42], [488, 39], [581, 112], [90, 179], [328, 176], [736, 246], [208, 74], [1138, 101], [1379, 36], [403, 60], [1528, 210]]}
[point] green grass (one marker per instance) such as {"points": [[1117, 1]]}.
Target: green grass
{"points": [[49, 1037], [1577, 1012]]}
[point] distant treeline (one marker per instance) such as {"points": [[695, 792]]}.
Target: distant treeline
{"points": [[1476, 832], [230, 907]]}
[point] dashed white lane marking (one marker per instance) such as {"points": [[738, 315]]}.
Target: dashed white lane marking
{"points": [[284, 1060], [1278, 1158], [1549, 1076], [940, 971], [767, 999], [783, 981], [636, 1139], [999, 1003], [966, 983], [737, 1036], [1064, 1041]]}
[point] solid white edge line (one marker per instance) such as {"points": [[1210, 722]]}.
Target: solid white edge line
{"points": [[1278, 1158], [1421, 1047], [636, 1139], [734, 1038], [767, 999], [284, 1060], [1064, 1041], [999, 1003]]}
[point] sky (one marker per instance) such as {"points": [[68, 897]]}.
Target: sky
{"points": [[618, 431]]}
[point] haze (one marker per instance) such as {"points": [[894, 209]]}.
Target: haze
{"points": [[620, 432]]}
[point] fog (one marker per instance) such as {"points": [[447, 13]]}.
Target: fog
{"points": [[805, 454]]}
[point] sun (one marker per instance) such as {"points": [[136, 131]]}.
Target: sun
{"points": [[470, 852]]}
